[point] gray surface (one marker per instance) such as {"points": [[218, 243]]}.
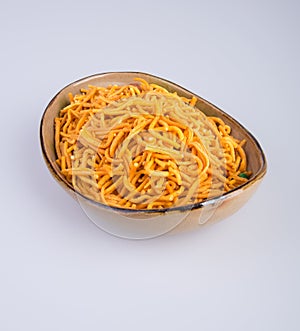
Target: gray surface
{"points": [[58, 271]]}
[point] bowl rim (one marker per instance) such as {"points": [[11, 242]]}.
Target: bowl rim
{"points": [[211, 201]]}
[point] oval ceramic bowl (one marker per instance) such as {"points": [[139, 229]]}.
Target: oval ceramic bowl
{"points": [[139, 224]]}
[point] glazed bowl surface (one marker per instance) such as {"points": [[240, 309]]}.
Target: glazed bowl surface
{"points": [[141, 224]]}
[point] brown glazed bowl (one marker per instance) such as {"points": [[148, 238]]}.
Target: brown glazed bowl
{"points": [[141, 224]]}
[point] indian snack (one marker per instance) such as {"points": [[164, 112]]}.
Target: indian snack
{"points": [[140, 146]]}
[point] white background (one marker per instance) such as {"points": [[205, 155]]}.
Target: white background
{"points": [[58, 271]]}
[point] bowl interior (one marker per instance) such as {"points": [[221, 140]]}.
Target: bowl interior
{"points": [[255, 155]]}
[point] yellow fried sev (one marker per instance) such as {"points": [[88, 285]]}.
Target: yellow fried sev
{"points": [[120, 146]]}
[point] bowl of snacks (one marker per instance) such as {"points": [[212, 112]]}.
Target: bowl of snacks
{"points": [[144, 156]]}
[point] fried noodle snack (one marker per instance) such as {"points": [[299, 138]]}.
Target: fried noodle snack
{"points": [[138, 146]]}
